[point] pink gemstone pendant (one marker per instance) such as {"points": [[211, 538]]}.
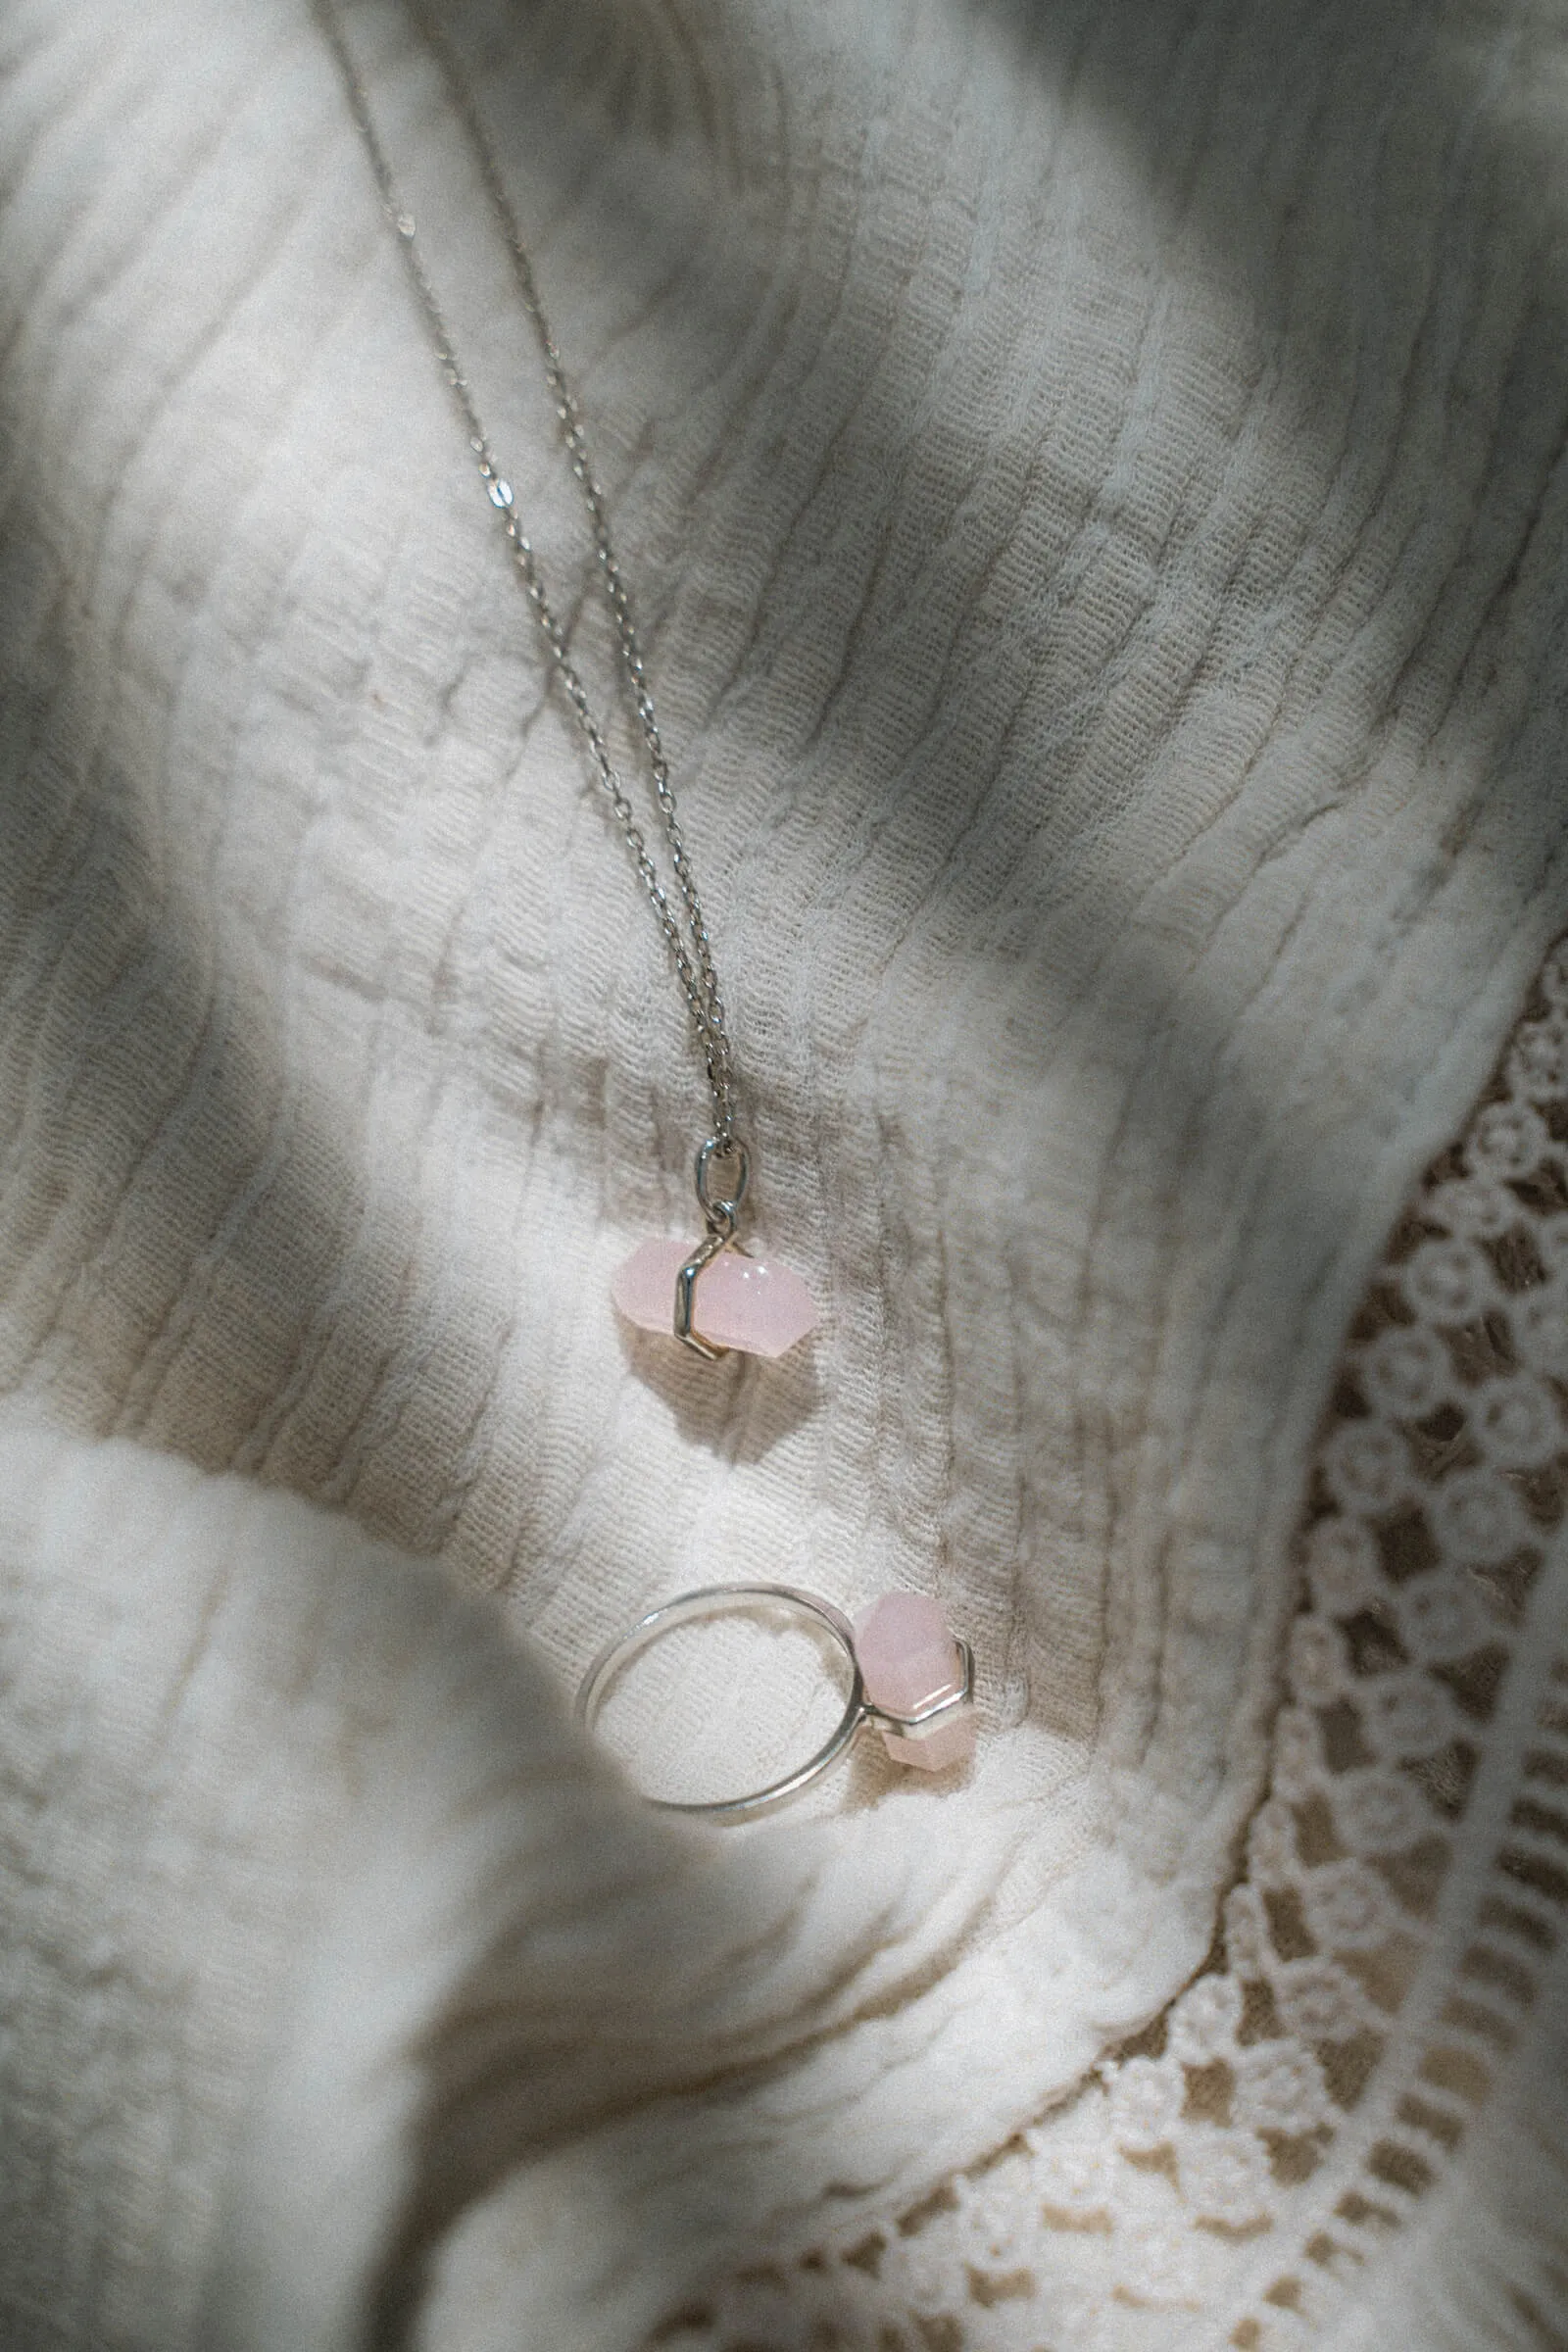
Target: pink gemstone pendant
{"points": [[909, 1663], [738, 1301]]}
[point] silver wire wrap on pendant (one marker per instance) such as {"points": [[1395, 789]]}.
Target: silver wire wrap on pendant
{"points": [[720, 1217], [859, 1711]]}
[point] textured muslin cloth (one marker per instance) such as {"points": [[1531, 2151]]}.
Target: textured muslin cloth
{"points": [[1091, 476]]}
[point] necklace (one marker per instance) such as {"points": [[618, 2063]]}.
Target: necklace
{"points": [[712, 1296], [909, 1677]]}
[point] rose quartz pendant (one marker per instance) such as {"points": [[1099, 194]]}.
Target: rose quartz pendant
{"points": [[909, 1661], [741, 1302]]}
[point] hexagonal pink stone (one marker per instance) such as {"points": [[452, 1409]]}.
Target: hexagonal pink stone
{"points": [[908, 1660], [739, 1302]]}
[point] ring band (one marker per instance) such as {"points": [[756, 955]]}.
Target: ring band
{"points": [[860, 1709]]}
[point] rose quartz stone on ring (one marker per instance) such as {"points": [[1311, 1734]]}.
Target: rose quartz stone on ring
{"points": [[908, 1659], [738, 1301]]}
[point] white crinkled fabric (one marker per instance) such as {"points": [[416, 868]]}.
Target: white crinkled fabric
{"points": [[1091, 477]]}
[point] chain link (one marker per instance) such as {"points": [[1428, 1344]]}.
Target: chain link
{"points": [[690, 949]]}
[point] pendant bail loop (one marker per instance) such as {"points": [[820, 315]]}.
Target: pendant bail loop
{"points": [[721, 1211]]}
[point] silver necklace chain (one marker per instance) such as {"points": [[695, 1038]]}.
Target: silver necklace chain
{"points": [[689, 946]]}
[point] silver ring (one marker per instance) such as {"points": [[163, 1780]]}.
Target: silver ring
{"points": [[859, 1710]]}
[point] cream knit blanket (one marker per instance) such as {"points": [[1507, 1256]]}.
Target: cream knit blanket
{"points": [[1092, 476]]}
